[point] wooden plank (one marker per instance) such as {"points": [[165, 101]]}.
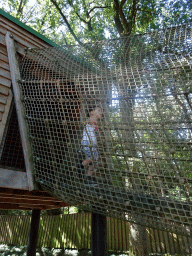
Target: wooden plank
{"points": [[62, 232], [34, 41], [48, 200], [13, 179], [2, 30], [15, 74], [3, 49], [18, 206], [32, 194], [4, 57], [5, 73], [165, 235], [22, 38], [27, 227], [3, 100], [2, 39], [30, 201], [4, 65], [5, 86]]}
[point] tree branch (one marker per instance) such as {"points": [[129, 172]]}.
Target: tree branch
{"points": [[20, 9], [66, 22], [99, 7]]}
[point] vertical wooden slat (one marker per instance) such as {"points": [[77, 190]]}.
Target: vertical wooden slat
{"points": [[51, 231], [157, 241], [62, 232], [70, 228], [43, 226], [122, 238], [112, 234], [75, 240], [79, 231], [40, 236], [83, 230], [58, 232], [161, 241], [89, 231], [176, 248], [153, 241], [47, 231], [171, 242], [167, 248], [4, 219], [20, 229], [181, 248], [3, 233], [67, 224], [117, 233], [7, 233], [108, 234], [54, 232], [27, 230], [13, 229]]}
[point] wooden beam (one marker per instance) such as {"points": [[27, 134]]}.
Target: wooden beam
{"points": [[33, 233], [99, 234], [25, 193], [27, 206], [31, 204], [13, 179], [15, 75], [35, 201]]}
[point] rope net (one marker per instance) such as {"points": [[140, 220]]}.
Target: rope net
{"points": [[110, 125]]}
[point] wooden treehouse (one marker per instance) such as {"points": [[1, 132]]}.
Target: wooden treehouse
{"points": [[18, 189]]}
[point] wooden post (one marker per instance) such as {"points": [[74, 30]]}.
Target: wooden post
{"points": [[15, 76], [99, 235], [33, 233]]}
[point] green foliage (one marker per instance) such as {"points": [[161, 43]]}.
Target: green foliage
{"points": [[69, 21], [15, 212]]}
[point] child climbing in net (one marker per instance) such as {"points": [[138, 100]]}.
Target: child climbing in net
{"points": [[89, 144]]}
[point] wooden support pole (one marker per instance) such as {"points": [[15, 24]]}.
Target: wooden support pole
{"points": [[33, 233], [15, 77], [99, 235]]}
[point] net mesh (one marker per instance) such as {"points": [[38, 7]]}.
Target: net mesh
{"points": [[110, 125]]}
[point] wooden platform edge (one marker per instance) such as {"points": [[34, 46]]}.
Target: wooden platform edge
{"points": [[27, 200]]}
